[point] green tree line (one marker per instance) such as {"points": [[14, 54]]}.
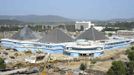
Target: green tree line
{"points": [[37, 27], [121, 25]]}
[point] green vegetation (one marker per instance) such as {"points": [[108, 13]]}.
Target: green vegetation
{"points": [[131, 56], [130, 68], [132, 48], [2, 64], [36, 28], [9, 28], [83, 66], [110, 29], [123, 68], [120, 25], [117, 68], [130, 53], [110, 34], [93, 61], [28, 52]]}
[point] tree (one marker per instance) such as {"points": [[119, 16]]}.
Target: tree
{"points": [[130, 68], [110, 72], [117, 68], [83, 66], [127, 51], [110, 34], [131, 55], [132, 48], [93, 61], [130, 65], [2, 64]]}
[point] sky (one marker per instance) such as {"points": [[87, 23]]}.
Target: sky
{"points": [[75, 9]]}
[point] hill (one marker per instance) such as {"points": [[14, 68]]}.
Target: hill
{"points": [[38, 19], [10, 22]]}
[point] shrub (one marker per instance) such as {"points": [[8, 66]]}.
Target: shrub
{"points": [[131, 56], [117, 68], [28, 52], [93, 61], [83, 66], [2, 64], [132, 48]]}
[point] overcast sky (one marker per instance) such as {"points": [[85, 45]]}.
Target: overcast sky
{"points": [[76, 9]]}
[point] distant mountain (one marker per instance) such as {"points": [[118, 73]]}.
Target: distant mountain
{"points": [[105, 22], [37, 19], [6, 21], [121, 20], [53, 19]]}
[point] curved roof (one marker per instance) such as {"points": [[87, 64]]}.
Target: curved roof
{"points": [[56, 36], [92, 34], [24, 34]]}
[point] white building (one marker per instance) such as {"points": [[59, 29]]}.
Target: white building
{"points": [[86, 25], [99, 28], [125, 33]]}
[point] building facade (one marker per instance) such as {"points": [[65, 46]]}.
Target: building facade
{"points": [[83, 25], [125, 33]]}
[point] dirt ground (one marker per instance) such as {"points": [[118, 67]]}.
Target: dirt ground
{"points": [[103, 63]]}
